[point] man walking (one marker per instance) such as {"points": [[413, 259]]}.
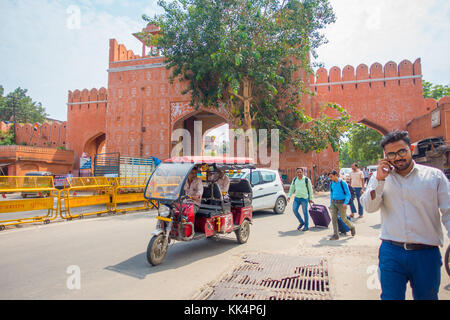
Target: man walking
{"points": [[339, 198], [357, 183], [411, 198], [302, 187]]}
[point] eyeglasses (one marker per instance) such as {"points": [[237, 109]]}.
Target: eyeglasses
{"points": [[400, 153]]}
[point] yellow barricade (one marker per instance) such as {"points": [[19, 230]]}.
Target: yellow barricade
{"points": [[85, 192], [41, 194], [129, 190]]}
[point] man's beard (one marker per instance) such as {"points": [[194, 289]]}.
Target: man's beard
{"points": [[402, 164]]}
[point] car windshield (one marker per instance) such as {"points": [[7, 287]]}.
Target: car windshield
{"points": [[166, 181], [236, 175]]}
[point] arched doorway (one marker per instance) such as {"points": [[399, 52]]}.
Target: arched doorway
{"points": [[95, 144], [190, 134]]}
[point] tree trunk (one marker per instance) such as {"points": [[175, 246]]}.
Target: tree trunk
{"points": [[247, 118]]}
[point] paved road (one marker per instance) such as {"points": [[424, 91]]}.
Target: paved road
{"points": [[36, 261]]}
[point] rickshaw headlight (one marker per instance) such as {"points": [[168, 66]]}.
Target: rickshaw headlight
{"points": [[164, 211]]}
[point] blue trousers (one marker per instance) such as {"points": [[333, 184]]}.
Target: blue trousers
{"points": [[358, 197], [296, 205], [397, 266]]}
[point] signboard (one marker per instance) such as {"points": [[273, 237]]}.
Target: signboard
{"points": [[59, 181], [436, 118], [85, 163]]}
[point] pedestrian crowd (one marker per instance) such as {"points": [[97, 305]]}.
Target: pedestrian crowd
{"points": [[413, 201]]}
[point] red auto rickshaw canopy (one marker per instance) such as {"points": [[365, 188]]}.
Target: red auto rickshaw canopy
{"points": [[212, 160]]}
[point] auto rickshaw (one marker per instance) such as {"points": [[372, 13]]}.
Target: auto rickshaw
{"points": [[219, 213]]}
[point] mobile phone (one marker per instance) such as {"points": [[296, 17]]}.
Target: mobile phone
{"points": [[391, 167]]}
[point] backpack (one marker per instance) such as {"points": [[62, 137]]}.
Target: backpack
{"points": [[352, 192], [306, 183]]}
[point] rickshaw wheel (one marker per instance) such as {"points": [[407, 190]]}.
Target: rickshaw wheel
{"points": [[243, 233], [156, 251]]}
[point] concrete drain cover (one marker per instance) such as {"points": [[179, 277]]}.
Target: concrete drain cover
{"points": [[272, 277]]}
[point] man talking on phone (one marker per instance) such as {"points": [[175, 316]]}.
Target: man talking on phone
{"points": [[413, 200]]}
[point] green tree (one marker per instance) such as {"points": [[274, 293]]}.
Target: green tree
{"points": [[247, 55], [362, 146], [435, 91], [27, 110], [7, 138]]}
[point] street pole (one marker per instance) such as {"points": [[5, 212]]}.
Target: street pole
{"points": [[14, 118]]}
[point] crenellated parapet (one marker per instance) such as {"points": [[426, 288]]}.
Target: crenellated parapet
{"points": [[118, 52], [93, 100], [47, 135], [384, 97], [377, 76]]}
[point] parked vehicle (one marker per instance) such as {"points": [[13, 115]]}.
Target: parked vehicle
{"points": [[344, 173], [36, 174], [218, 213], [372, 170], [267, 187], [322, 183]]}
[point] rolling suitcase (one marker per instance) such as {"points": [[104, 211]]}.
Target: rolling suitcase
{"points": [[342, 227], [320, 215]]}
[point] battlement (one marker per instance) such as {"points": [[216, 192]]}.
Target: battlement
{"points": [[404, 74], [77, 99], [118, 52], [48, 135]]}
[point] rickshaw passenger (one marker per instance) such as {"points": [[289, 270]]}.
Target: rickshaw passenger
{"points": [[194, 188], [223, 182]]}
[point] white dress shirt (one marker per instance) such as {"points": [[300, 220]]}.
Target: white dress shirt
{"points": [[411, 206]]}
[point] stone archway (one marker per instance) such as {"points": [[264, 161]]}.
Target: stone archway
{"points": [[193, 125], [95, 144]]}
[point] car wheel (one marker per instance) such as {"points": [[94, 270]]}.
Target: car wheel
{"points": [[280, 205]]}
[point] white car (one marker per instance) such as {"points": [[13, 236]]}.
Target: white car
{"points": [[267, 187], [345, 172], [372, 170]]}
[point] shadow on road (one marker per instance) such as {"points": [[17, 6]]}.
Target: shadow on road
{"points": [[376, 226], [263, 214], [179, 254], [296, 233], [325, 242]]}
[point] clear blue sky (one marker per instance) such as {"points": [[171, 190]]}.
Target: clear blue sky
{"points": [[44, 49]]}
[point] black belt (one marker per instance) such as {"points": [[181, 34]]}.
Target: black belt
{"points": [[339, 201], [410, 246]]}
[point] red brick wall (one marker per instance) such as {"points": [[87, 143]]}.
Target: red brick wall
{"points": [[420, 127], [86, 118]]}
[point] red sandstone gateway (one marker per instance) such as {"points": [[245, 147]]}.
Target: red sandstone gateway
{"points": [[219, 213]]}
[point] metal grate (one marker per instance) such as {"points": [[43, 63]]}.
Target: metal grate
{"points": [[272, 277]]}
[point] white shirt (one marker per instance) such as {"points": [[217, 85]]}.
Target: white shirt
{"points": [[411, 206], [195, 188], [224, 183]]}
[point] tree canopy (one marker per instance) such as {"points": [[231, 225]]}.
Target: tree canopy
{"points": [[252, 57], [27, 110], [362, 145], [435, 91]]}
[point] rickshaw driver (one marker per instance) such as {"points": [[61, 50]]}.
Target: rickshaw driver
{"points": [[194, 188], [223, 182]]}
